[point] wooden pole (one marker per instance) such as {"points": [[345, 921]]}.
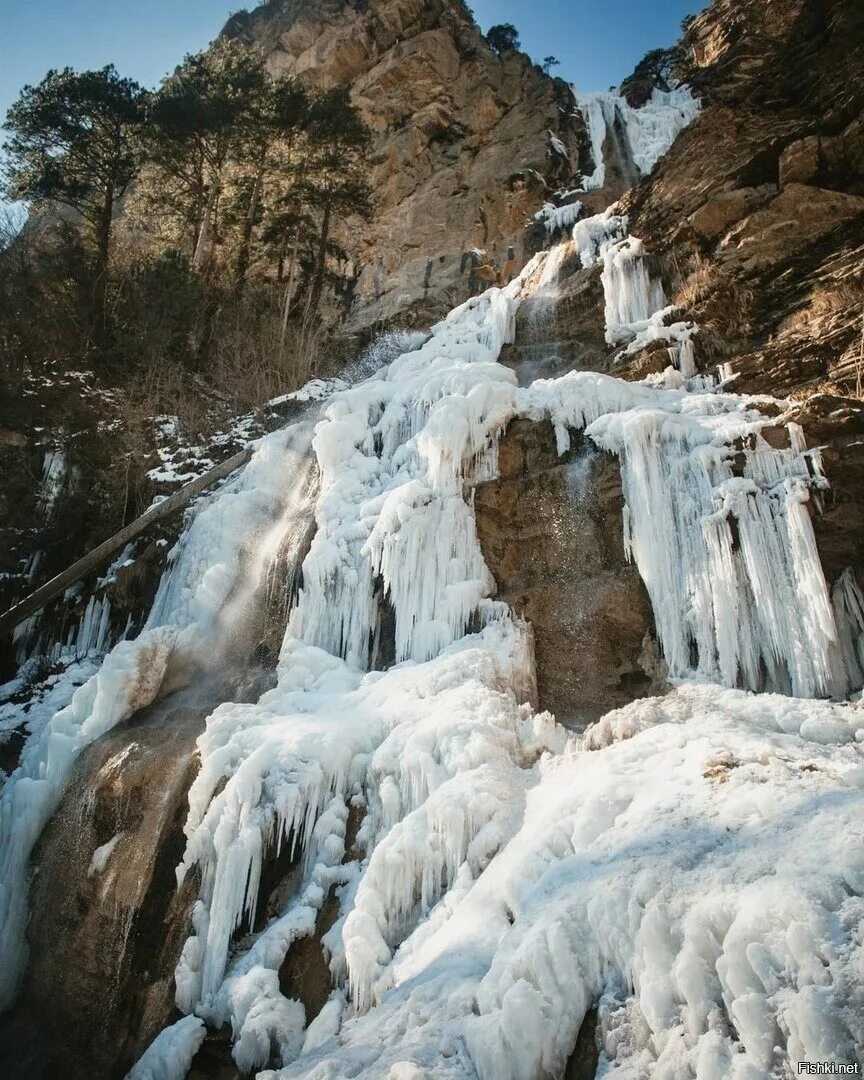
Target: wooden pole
{"points": [[100, 555]]}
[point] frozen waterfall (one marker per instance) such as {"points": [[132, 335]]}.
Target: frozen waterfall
{"points": [[681, 865], [649, 131]]}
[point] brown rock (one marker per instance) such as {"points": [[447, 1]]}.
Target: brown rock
{"points": [[105, 937], [457, 130], [800, 162], [551, 533], [798, 216], [715, 216]]}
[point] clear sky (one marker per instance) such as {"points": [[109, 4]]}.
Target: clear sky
{"points": [[597, 41]]}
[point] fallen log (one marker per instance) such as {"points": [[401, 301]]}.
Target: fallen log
{"points": [[100, 555]]}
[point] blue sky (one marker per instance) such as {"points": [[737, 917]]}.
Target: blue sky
{"points": [[598, 43]]}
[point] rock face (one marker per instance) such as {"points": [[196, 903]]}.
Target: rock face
{"points": [[107, 920], [550, 530], [755, 220], [462, 150], [757, 214]]}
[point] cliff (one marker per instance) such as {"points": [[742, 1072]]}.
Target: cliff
{"points": [[757, 216], [467, 144]]}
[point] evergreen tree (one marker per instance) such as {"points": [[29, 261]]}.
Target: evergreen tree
{"points": [[503, 37], [283, 117], [333, 181], [204, 116], [72, 142]]}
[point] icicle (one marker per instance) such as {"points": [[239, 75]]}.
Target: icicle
{"points": [[631, 295]]}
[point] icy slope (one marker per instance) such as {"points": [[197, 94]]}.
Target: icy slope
{"points": [[700, 879], [184, 626], [473, 936]]}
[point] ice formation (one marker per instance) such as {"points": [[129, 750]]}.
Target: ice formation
{"points": [[649, 131], [170, 1054], [184, 624], [555, 218], [684, 865], [469, 908]]}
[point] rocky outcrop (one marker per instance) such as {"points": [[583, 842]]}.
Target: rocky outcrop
{"points": [[107, 920], [757, 214], [551, 533], [463, 151]]}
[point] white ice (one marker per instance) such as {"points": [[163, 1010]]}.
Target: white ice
{"points": [[184, 623], [649, 131], [686, 865]]}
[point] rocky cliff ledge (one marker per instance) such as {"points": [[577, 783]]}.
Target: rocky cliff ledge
{"points": [[467, 144]]}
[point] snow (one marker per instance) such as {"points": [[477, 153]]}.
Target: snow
{"points": [[170, 1054], [556, 146], [31, 706], [314, 390], [101, 855], [649, 131]]}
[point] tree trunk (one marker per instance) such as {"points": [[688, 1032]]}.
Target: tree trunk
{"points": [[320, 261], [244, 252], [289, 294], [204, 246], [103, 256], [280, 265]]}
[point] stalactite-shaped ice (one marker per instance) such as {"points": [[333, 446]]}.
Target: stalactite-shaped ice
{"points": [[632, 296], [394, 452], [750, 606], [506, 877]]}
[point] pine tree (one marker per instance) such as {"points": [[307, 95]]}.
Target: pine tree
{"points": [[503, 37], [204, 116], [283, 117], [333, 181], [72, 142]]}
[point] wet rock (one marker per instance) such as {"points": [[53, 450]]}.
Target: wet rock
{"points": [[551, 533], [107, 919]]}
